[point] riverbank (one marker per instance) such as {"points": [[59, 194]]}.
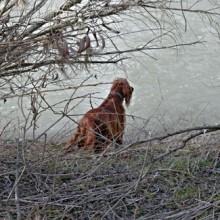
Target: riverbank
{"points": [[142, 181]]}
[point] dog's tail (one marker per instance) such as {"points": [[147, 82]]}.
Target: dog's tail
{"points": [[73, 142]]}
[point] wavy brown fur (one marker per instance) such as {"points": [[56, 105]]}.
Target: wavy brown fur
{"points": [[101, 125]]}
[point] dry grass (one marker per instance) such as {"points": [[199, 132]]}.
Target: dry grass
{"points": [[126, 185]]}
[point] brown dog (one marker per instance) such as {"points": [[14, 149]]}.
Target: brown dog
{"points": [[104, 124]]}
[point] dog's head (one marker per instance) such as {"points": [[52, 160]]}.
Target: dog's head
{"points": [[122, 86]]}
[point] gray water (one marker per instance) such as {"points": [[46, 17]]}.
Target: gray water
{"points": [[174, 88]]}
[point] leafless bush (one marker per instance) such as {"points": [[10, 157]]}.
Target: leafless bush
{"points": [[44, 52], [149, 180]]}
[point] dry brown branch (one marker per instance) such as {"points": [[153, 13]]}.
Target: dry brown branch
{"points": [[17, 202]]}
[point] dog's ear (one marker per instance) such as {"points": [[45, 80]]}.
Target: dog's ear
{"points": [[122, 86], [127, 92]]}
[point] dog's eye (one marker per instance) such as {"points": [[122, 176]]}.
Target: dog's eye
{"points": [[132, 89]]}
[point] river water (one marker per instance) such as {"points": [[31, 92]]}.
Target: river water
{"points": [[174, 88]]}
